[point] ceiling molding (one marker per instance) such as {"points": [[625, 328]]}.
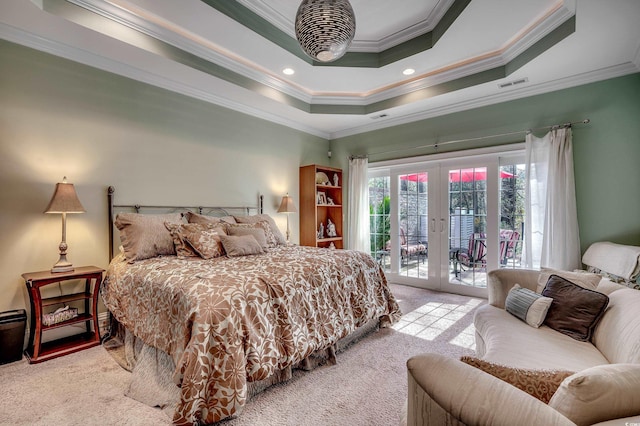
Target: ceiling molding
{"points": [[286, 24], [508, 95]]}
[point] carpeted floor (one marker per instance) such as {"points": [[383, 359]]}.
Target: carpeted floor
{"points": [[366, 387]]}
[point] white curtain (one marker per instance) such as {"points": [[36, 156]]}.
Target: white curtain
{"points": [[358, 221], [551, 224]]}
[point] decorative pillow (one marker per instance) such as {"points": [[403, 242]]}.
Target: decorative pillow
{"points": [[540, 384], [183, 249], [582, 278], [575, 311], [527, 305], [145, 235], [279, 238], [600, 393], [203, 219], [205, 239], [250, 229], [240, 245]]}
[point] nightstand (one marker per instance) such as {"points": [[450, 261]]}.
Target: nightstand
{"points": [[37, 351]]}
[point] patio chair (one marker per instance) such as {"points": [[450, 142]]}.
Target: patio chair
{"points": [[407, 250], [475, 255], [508, 244]]}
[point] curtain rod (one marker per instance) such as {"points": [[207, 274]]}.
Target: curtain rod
{"points": [[436, 145]]}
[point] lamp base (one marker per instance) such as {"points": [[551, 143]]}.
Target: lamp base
{"points": [[62, 265]]}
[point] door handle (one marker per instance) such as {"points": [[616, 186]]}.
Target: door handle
{"points": [[433, 225], [441, 225]]}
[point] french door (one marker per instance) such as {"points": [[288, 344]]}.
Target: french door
{"points": [[437, 225]]}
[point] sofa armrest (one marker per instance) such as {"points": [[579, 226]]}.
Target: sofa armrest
{"points": [[446, 391], [500, 281]]}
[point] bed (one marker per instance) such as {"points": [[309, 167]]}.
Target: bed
{"points": [[232, 324]]}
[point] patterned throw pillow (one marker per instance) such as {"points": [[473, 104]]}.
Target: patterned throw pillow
{"points": [[527, 305], [204, 239], [183, 249], [540, 384], [270, 239]]}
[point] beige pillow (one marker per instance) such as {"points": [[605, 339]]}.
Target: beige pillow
{"points": [[278, 238], [250, 229], [145, 235], [205, 239], [204, 219], [600, 393], [582, 278], [240, 245], [540, 384]]}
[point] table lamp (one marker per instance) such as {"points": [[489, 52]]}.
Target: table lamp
{"points": [[287, 206], [64, 200]]}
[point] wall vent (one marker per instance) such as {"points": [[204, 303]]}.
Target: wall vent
{"points": [[513, 83]]}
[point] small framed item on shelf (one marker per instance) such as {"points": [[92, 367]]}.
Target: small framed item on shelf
{"points": [[322, 198]]}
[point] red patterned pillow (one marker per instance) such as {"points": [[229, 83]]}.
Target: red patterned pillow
{"points": [[540, 384]]}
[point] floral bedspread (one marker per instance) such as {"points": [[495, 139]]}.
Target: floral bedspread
{"points": [[227, 321]]}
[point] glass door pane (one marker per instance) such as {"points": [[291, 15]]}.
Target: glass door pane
{"points": [[467, 199], [413, 225], [380, 220]]}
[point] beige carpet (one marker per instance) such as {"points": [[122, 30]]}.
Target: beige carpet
{"points": [[366, 387]]}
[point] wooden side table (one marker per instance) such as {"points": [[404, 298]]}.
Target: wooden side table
{"points": [[37, 351]]}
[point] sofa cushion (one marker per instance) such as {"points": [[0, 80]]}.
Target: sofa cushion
{"points": [[509, 341], [582, 278], [527, 305], [540, 384], [575, 311], [600, 393], [617, 335]]}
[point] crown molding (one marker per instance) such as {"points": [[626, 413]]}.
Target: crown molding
{"points": [[509, 95], [287, 25], [85, 57]]}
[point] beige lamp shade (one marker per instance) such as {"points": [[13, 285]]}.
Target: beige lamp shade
{"points": [[65, 199], [287, 205]]}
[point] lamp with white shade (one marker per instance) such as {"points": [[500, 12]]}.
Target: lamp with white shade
{"points": [[64, 200], [287, 206]]}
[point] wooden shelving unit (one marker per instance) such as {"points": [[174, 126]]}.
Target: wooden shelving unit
{"points": [[313, 213]]}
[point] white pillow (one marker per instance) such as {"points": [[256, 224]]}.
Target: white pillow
{"points": [[527, 305], [600, 393]]}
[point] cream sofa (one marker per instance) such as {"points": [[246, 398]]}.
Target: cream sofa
{"points": [[445, 391]]}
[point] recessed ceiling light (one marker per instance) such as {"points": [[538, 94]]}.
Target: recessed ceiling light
{"points": [[288, 71], [408, 71]]}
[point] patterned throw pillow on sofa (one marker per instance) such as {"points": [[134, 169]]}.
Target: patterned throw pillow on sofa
{"points": [[540, 384]]}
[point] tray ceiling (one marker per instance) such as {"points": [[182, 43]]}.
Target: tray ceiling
{"points": [[465, 53]]}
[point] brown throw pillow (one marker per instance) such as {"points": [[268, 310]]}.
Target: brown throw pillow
{"points": [[204, 219], [574, 311], [144, 235], [258, 230], [540, 384], [240, 245], [278, 238]]}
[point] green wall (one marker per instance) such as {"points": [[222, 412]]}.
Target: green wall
{"points": [[60, 118], [606, 151]]}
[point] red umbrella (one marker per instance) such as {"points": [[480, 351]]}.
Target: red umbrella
{"points": [[464, 175]]}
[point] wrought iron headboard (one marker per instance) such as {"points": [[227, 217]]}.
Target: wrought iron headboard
{"points": [[140, 208]]}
